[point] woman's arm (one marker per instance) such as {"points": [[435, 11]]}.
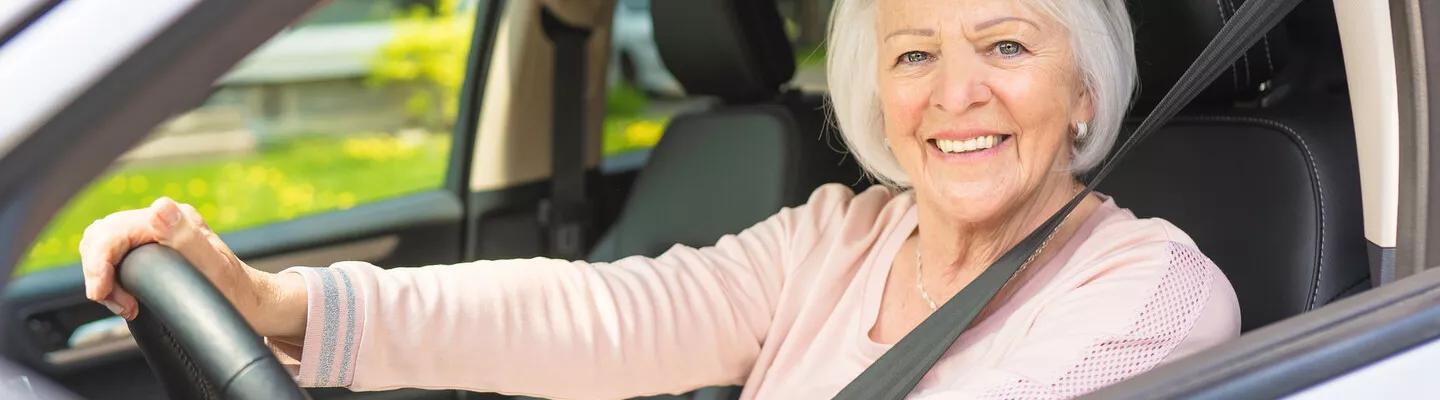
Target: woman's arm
{"points": [[686, 319]]}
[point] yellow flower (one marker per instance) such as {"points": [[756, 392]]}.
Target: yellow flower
{"points": [[325, 201], [116, 184], [232, 171], [197, 188], [228, 216], [138, 184], [644, 133], [345, 200], [256, 175], [172, 190], [207, 210]]}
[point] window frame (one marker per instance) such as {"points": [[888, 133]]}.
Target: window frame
{"points": [[171, 73], [427, 207]]}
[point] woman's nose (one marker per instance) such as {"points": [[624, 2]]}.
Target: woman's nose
{"points": [[961, 85]]}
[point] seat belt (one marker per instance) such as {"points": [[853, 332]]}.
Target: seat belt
{"points": [[566, 215], [896, 372]]}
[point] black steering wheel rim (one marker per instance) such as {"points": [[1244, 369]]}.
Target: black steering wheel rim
{"points": [[193, 338]]}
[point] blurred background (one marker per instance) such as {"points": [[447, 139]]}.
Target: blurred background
{"points": [[355, 104]]}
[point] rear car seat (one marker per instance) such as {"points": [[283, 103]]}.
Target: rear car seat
{"points": [[721, 170]]}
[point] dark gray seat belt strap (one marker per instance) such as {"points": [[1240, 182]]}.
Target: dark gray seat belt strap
{"points": [[566, 215], [897, 372]]}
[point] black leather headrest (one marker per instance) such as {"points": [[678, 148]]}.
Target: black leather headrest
{"points": [[732, 49], [1169, 34]]}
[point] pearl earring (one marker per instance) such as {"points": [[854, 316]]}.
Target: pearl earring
{"points": [[1081, 129], [887, 143]]}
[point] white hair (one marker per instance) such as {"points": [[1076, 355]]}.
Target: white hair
{"points": [[1107, 66]]}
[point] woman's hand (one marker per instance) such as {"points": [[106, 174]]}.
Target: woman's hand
{"points": [[274, 305]]}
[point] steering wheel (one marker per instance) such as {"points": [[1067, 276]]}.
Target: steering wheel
{"points": [[196, 342]]}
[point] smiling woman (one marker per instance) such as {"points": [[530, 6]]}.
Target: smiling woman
{"points": [[1106, 69], [977, 115]]}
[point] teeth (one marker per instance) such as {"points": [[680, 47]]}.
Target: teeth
{"points": [[972, 144]]}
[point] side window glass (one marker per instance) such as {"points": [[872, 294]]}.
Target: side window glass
{"points": [[350, 106], [806, 22], [643, 96]]}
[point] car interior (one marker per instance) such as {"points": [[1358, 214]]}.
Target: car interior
{"points": [[1261, 170]]}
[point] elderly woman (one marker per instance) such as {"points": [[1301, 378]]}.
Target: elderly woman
{"points": [[976, 114]]}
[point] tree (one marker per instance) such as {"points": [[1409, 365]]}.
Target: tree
{"points": [[427, 57]]}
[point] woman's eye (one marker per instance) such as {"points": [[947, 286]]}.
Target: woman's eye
{"points": [[1009, 48], [914, 57]]}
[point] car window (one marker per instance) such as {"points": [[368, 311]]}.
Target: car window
{"points": [[643, 96], [323, 117]]}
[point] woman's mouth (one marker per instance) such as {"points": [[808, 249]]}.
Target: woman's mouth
{"points": [[972, 146]]}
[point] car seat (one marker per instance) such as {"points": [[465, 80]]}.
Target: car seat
{"points": [[1261, 170]]}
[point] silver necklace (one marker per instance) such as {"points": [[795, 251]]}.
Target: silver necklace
{"points": [[920, 284]]}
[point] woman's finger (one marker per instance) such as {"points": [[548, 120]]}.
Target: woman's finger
{"points": [[102, 246], [126, 304], [194, 216]]}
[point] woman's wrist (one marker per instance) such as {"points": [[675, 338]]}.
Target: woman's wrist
{"points": [[283, 306]]}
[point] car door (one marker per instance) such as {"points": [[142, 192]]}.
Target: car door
{"points": [[347, 135]]}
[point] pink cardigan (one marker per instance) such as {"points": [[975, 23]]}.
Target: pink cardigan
{"points": [[783, 308]]}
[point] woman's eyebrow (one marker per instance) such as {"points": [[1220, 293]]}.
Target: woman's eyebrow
{"points": [[987, 24], [910, 31], [979, 27]]}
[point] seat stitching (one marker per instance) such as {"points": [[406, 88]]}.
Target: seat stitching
{"points": [[1314, 179], [1268, 61], [1234, 80]]}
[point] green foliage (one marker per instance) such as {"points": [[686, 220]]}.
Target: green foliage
{"points": [[427, 56], [629, 133], [316, 174], [283, 182], [810, 56], [624, 100]]}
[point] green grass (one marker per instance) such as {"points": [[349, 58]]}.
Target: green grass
{"points": [[624, 100], [282, 182]]}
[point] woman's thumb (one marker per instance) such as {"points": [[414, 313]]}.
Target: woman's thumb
{"points": [[172, 229], [167, 210]]}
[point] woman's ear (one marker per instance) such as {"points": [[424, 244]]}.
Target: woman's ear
{"points": [[1084, 106]]}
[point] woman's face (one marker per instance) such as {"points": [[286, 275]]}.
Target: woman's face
{"points": [[979, 99]]}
